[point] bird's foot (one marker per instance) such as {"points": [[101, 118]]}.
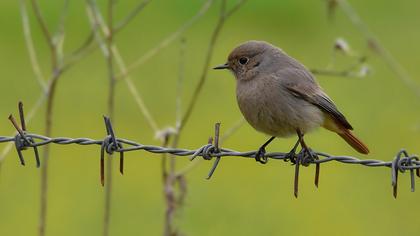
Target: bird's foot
{"points": [[260, 156], [291, 156], [307, 156]]}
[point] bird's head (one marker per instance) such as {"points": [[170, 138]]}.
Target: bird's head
{"points": [[246, 60]]}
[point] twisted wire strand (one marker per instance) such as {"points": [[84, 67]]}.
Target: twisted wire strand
{"points": [[110, 144], [222, 152]]}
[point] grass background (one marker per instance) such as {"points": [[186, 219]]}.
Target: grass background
{"points": [[243, 198]]}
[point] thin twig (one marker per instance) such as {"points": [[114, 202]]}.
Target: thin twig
{"points": [[60, 33], [180, 83], [337, 73], [374, 43], [35, 65], [43, 24], [55, 62], [30, 46], [168, 192], [169, 183], [235, 127], [106, 47], [223, 15], [86, 48], [97, 21], [135, 93], [166, 41], [130, 16], [111, 109], [169, 174]]}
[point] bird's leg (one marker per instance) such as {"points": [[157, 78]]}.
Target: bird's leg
{"points": [[260, 155], [305, 148], [292, 154]]}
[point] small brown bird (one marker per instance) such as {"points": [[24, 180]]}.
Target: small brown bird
{"points": [[278, 96]]}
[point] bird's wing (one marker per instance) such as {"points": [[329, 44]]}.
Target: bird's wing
{"points": [[302, 84]]}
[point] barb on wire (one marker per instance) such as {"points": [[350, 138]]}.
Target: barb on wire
{"points": [[109, 145], [216, 150], [22, 141]]}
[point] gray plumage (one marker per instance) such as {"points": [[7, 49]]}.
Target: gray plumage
{"points": [[278, 96]]}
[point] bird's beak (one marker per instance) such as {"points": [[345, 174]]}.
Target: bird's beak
{"points": [[221, 67]]}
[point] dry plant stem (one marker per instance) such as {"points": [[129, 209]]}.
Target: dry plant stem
{"points": [[30, 46], [46, 153], [169, 181], [48, 115], [166, 41], [180, 123], [169, 193], [135, 93], [88, 47], [180, 82], [97, 22], [378, 48], [43, 26], [336, 73], [111, 108], [169, 174], [37, 71], [125, 71], [130, 16], [222, 18]]}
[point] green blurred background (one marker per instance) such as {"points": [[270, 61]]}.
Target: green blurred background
{"points": [[243, 198]]}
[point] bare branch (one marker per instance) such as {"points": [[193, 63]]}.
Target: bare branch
{"points": [[180, 83], [234, 8], [52, 84], [167, 41], [30, 46], [337, 73], [169, 175], [374, 43], [121, 24], [60, 34], [235, 127], [96, 18], [223, 15], [43, 24], [357, 70], [86, 48]]}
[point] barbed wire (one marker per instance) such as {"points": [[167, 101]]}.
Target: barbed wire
{"points": [[111, 144]]}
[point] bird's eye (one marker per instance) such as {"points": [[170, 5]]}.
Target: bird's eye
{"points": [[243, 60]]}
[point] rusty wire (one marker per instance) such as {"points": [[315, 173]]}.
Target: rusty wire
{"points": [[111, 144]]}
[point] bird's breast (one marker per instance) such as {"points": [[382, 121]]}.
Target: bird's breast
{"points": [[272, 109]]}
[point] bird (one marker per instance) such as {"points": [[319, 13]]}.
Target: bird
{"points": [[280, 97]]}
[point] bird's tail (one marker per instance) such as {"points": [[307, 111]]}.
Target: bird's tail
{"points": [[353, 141]]}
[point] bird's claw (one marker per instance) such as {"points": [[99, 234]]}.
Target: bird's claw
{"points": [[307, 156], [260, 156], [291, 156]]}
